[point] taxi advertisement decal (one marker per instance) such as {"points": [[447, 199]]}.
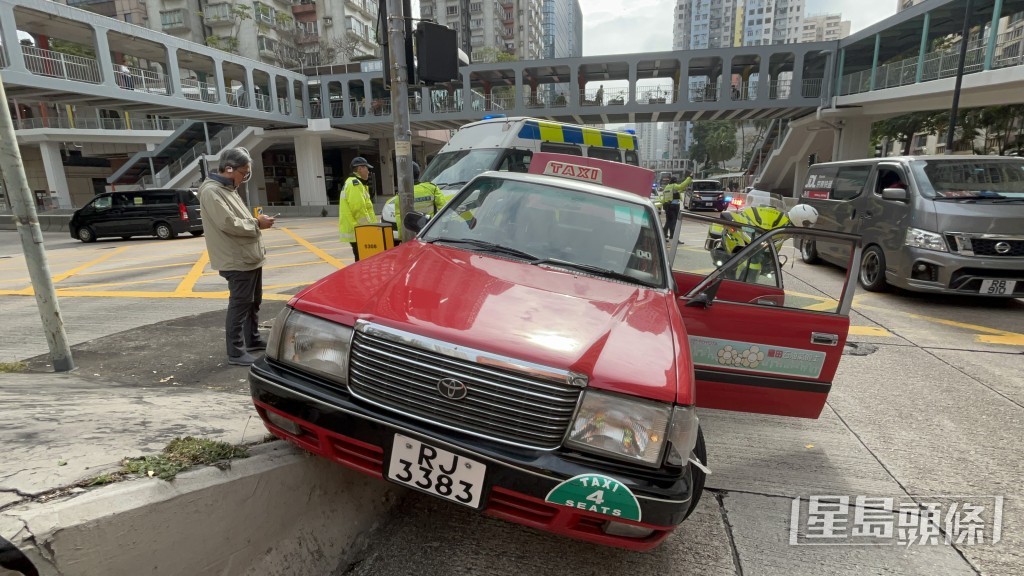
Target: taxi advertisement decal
{"points": [[596, 493], [754, 357]]}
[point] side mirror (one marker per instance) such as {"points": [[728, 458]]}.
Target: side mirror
{"points": [[414, 221], [897, 194]]}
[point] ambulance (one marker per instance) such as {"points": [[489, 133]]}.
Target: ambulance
{"points": [[538, 354], [508, 145]]}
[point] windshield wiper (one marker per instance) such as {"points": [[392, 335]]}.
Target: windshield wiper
{"points": [[450, 184], [487, 246], [597, 270]]}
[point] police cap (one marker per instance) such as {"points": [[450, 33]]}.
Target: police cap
{"points": [[360, 161]]}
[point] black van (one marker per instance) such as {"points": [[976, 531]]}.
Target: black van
{"points": [[160, 213]]}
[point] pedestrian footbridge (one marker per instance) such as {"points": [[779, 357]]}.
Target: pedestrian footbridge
{"points": [[828, 92]]}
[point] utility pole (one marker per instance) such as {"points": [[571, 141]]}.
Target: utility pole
{"points": [[32, 240], [400, 108], [955, 109]]}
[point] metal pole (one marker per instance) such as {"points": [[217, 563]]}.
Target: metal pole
{"points": [[32, 241], [400, 110], [206, 134], [954, 110]]}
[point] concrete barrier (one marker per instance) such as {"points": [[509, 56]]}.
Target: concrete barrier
{"points": [[280, 511], [47, 223]]}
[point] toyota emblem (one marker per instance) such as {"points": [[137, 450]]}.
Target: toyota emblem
{"points": [[452, 389], [1003, 247]]}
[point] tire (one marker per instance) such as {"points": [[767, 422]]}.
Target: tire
{"points": [[872, 269], [163, 231], [85, 234], [696, 474], [197, 233], [809, 252]]}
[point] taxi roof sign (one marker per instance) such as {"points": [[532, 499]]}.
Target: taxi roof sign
{"points": [[625, 177]]}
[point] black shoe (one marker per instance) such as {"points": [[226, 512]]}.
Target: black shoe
{"points": [[256, 346], [245, 359]]}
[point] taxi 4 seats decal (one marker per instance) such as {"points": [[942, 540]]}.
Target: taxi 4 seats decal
{"points": [[596, 493], [756, 357]]}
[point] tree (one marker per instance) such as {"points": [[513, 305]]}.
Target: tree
{"points": [[903, 128], [714, 142], [237, 13]]}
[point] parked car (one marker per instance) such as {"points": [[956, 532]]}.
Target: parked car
{"points": [[161, 213], [534, 353], [949, 224], [705, 195]]}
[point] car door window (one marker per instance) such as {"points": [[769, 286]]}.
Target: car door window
{"points": [[102, 203], [849, 182]]}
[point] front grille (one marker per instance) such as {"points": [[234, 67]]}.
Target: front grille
{"points": [[501, 404], [988, 247], [985, 245]]}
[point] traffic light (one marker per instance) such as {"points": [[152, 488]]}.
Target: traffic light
{"points": [[384, 39], [438, 48]]}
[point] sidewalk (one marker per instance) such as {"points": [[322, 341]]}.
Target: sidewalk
{"points": [[129, 394]]}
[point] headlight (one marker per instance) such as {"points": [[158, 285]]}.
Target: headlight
{"points": [[682, 433], [925, 239], [621, 427], [312, 344]]}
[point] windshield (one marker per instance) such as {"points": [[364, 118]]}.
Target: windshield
{"points": [[457, 168], [557, 227], [710, 186], [967, 178]]}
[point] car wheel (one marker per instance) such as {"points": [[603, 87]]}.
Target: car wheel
{"points": [[872, 269], [809, 252], [197, 233], [698, 476], [164, 231], [85, 234]]}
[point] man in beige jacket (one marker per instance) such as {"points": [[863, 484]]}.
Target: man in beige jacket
{"points": [[235, 243]]}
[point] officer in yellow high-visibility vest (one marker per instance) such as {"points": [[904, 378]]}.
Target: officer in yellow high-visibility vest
{"points": [[427, 199], [354, 205], [670, 201]]}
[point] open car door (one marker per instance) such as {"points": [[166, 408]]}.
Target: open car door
{"points": [[766, 331]]}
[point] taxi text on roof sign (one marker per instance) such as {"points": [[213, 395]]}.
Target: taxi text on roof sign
{"points": [[556, 168], [617, 175]]}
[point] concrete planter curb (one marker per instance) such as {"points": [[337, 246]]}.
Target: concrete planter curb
{"points": [[280, 511]]}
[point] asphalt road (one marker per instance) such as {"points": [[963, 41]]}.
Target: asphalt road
{"points": [[926, 407]]}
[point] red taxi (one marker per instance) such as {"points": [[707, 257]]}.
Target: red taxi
{"points": [[536, 354]]}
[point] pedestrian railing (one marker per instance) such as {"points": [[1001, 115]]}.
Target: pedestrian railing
{"points": [[200, 91], [141, 79], [938, 64], [59, 65]]}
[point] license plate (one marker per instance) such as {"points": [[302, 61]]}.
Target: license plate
{"points": [[436, 471], [997, 286]]}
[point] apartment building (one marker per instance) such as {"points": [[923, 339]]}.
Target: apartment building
{"points": [[286, 33], [515, 27], [824, 27]]}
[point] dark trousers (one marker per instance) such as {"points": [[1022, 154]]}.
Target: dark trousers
{"points": [[671, 215], [241, 327], [355, 250]]}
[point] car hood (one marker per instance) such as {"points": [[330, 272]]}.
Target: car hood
{"points": [[620, 335], [979, 217]]}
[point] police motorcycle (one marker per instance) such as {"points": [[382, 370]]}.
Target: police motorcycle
{"points": [[760, 214]]}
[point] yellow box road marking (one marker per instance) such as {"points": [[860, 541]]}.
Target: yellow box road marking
{"points": [[323, 255], [89, 264], [988, 335], [193, 275], [869, 331]]}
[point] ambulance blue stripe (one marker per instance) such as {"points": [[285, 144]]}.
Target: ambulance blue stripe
{"points": [[572, 135], [609, 139], [529, 131]]}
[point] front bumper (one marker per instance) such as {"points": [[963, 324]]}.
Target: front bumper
{"points": [[359, 436], [950, 273]]}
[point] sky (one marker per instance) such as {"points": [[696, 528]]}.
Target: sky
{"points": [[623, 27]]}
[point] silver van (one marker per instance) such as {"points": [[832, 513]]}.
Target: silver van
{"points": [[951, 224]]}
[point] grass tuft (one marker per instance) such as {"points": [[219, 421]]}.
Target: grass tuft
{"points": [[11, 367], [181, 454]]}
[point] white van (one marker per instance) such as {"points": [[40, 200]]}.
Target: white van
{"points": [[509, 143]]}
